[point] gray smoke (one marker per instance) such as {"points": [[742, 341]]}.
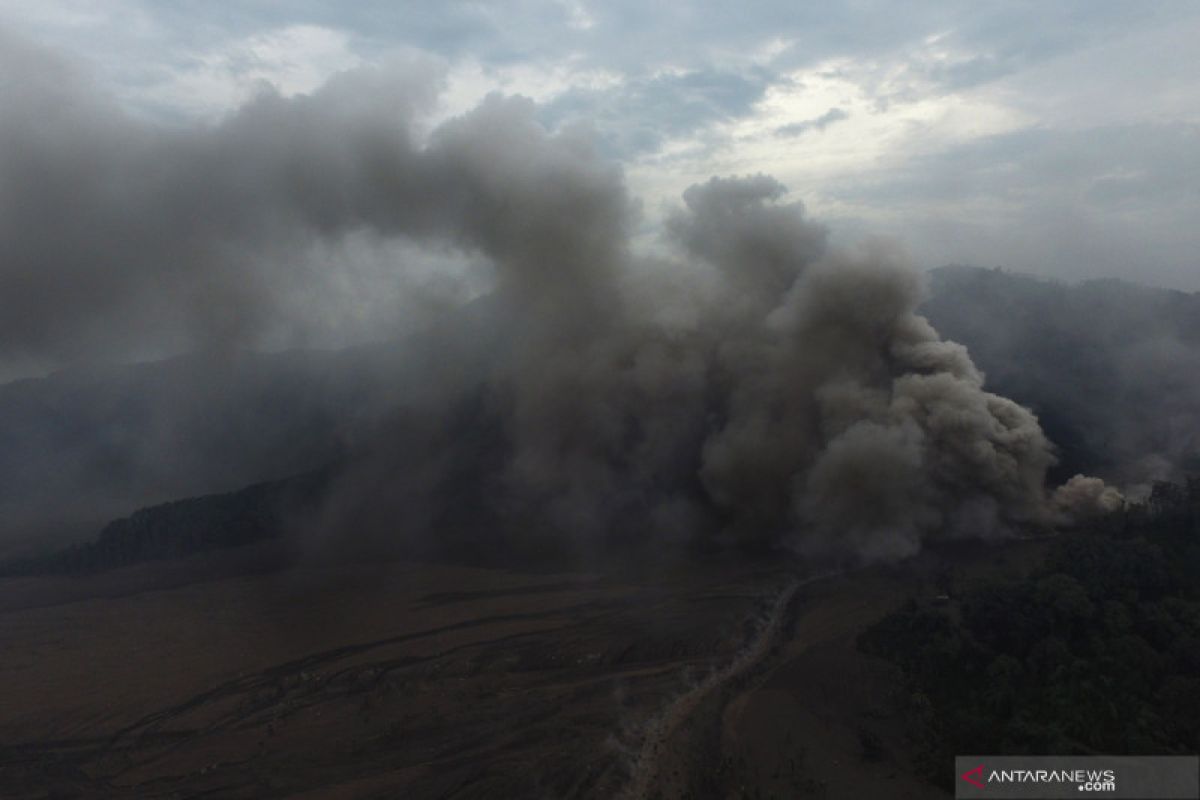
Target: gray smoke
{"points": [[1112, 368], [756, 385], [1082, 498]]}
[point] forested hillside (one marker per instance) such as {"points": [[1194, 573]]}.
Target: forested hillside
{"points": [[1096, 651]]}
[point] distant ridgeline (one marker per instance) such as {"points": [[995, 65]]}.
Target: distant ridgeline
{"points": [[182, 528]]}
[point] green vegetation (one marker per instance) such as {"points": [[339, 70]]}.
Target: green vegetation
{"points": [[1096, 651]]}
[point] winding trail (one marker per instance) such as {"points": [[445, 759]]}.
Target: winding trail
{"points": [[660, 730]]}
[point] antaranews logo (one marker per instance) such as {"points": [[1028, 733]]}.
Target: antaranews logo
{"points": [[1084, 780], [1050, 777]]}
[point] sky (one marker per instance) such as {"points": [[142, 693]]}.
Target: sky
{"points": [[1060, 139]]}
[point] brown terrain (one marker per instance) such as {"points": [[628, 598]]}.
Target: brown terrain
{"points": [[218, 678]]}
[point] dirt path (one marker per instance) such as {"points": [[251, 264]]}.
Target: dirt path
{"points": [[663, 729]]}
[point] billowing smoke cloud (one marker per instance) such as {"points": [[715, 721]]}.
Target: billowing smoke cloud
{"points": [[120, 236], [1082, 498], [757, 385], [1112, 368]]}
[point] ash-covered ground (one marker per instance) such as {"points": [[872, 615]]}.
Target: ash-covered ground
{"points": [[227, 676]]}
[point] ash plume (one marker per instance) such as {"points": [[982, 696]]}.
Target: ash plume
{"points": [[1110, 367], [1083, 498], [756, 385]]}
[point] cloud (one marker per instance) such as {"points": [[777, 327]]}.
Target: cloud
{"points": [[1100, 202], [639, 115], [295, 59], [680, 91], [815, 124]]}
